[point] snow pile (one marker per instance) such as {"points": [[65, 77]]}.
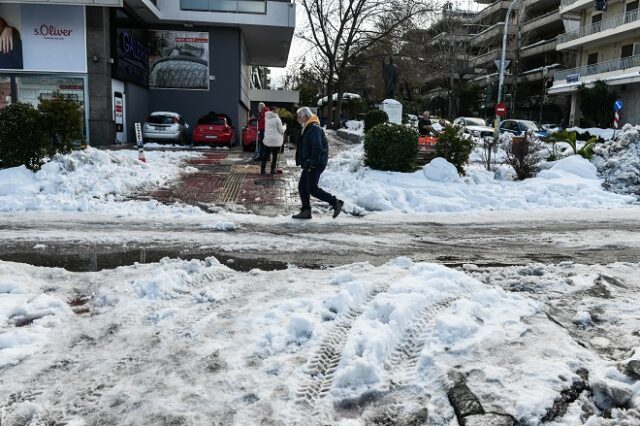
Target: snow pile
{"points": [[618, 161], [570, 183], [605, 134], [194, 340], [92, 180], [355, 127]]}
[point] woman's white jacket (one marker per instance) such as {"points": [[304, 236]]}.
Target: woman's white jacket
{"points": [[273, 130]]}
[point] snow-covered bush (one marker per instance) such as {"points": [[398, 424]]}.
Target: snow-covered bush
{"points": [[618, 161], [523, 154], [454, 148], [22, 138], [392, 147], [571, 138]]}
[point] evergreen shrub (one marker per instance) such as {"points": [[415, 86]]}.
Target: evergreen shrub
{"points": [[454, 148], [391, 147], [373, 118]]}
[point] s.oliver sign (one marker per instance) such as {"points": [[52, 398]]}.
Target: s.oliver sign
{"points": [[43, 38]]}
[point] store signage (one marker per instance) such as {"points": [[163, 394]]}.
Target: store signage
{"points": [[132, 58], [118, 106], [179, 60], [47, 38], [573, 78]]}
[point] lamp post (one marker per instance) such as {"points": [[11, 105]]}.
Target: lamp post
{"points": [[502, 61]]}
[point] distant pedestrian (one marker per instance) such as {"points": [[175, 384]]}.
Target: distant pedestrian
{"points": [[273, 139], [425, 127], [262, 110], [312, 156]]}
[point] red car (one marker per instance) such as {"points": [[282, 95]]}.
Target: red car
{"points": [[214, 129], [250, 135]]}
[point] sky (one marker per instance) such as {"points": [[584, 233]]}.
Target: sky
{"points": [[300, 48]]}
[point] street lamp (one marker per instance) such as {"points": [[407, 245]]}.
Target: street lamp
{"points": [[502, 61]]}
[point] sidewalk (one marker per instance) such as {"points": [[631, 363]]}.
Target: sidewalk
{"points": [[228, 178]]}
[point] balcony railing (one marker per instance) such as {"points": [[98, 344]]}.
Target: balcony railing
{"points": [[597, 27], [601, 67], [565, 3]]}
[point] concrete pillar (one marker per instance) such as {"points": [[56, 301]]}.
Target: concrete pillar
{"points": [[574, 115], [102, 129]]}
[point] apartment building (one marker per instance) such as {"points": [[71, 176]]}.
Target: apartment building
{"points": [[122, 59], [607, 48], [534, 27]]}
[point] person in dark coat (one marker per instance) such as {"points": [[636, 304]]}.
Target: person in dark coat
{"points": [[262, 110], [312, 156]]}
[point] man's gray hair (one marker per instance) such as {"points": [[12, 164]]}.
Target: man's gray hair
{"points": [[306, 111], [261, 105]]}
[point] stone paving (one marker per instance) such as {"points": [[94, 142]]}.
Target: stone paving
{"points": [[228, 178]]}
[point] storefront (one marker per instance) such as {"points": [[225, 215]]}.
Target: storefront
{"points": [[46, 54]]}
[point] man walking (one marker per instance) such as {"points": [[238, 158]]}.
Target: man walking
{"points": [[262, 110], [312, 156]]}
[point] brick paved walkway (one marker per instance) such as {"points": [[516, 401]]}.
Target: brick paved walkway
{"points": [[229, 178]]}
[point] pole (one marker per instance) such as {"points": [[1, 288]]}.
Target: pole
{"points": [[496, 133]]}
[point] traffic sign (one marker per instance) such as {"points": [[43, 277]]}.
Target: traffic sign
{"points": [[618, 105], [506, 63], [501, 109]]}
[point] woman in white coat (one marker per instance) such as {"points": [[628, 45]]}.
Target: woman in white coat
{"points": [[273, 138]]}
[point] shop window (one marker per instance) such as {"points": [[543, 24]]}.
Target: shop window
{"points": [[592, 59], [626, 51]]}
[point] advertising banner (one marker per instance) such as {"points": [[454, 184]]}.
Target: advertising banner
{"points": [[47, 38], [132, 59], [179, 60]]}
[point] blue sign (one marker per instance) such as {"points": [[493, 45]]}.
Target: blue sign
{"points": [[573, 78], [618, 105]]}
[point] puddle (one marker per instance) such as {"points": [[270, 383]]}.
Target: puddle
{"points": [[83, 259]]}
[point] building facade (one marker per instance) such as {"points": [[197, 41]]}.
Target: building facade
{"points": [[607, 48], [122, 59]]}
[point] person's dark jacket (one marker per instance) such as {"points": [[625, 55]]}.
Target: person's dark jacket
{"points": [[313, 149], [421, 123]]}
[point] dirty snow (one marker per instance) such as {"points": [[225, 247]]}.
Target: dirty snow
{"points": [[196, 342]]}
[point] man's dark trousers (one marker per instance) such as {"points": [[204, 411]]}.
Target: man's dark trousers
{"points": [[308, 185]]}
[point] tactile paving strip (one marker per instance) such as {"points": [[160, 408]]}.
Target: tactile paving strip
{"points": [[231, 188]]}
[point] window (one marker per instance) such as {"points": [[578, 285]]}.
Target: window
{"points": [[596, 18], [242, 6], [592, 59], [5, 92], [631, 6], [626, 51]]}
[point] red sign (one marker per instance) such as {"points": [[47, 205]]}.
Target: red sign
{"points": [[501, 109]]}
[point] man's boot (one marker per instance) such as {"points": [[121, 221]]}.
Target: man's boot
{"points": [[337, 207], [305, 213]]}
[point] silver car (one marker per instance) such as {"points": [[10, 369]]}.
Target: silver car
{"points": [[163, 126]]}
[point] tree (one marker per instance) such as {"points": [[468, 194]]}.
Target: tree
{"points": [[596, 104], [341, 30]]}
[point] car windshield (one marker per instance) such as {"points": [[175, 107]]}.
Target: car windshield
{"points": [[532, 125], [474, 122], [207, 119], [162, 119]]}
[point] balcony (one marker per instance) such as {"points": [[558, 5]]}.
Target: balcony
{"points": [[493, 32], [620, 25], [538, 48], [616, 69], [491, 9], [488, 57], [567, 6], [548, 20]]}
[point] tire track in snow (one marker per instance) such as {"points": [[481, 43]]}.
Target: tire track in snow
{"points": [[320, 371]]}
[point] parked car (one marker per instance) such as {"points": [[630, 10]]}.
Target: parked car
{"points": [[250, 135], [214, 129], [473, 126], [163, 126], [519, 127], [552, 128]]}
